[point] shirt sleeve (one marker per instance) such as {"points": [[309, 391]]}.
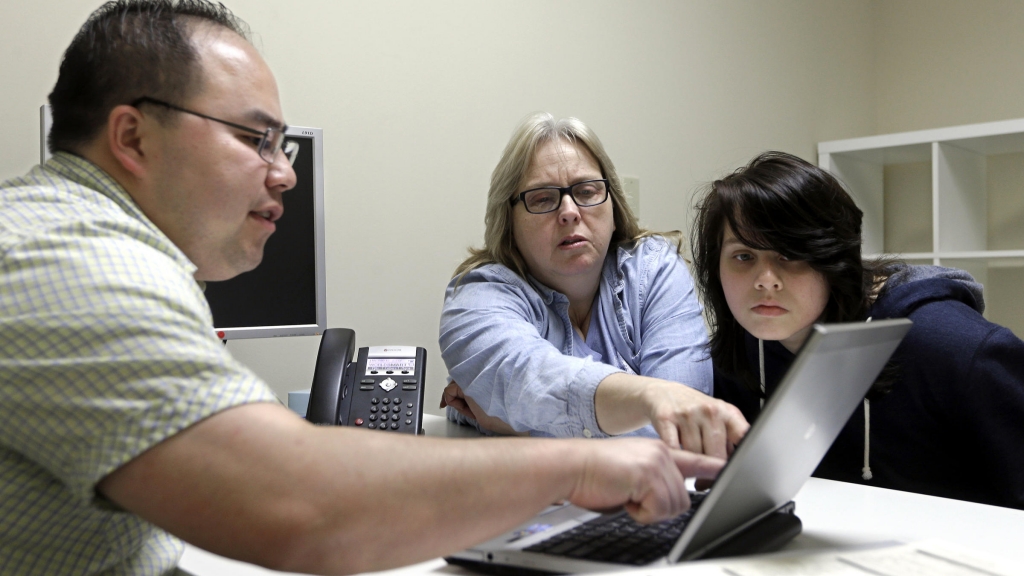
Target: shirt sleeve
{"points": [[108, 349], [495, 351], [672, 340], [993, 406]]}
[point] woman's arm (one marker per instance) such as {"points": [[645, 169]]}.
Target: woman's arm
{"points": [[668, 343], [670, 338], [500, 360], [453, 397], [494, 339], [682, 416]]}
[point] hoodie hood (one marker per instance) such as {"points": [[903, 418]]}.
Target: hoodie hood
{"points": [[910, 287]]}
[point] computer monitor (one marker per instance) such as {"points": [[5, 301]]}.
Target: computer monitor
{"points": [[286, 294]]}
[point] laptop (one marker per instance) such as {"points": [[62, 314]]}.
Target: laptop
{"points": [[749, 508]]}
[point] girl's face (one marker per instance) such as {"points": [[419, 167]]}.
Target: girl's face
{"points": [[772, 297]]}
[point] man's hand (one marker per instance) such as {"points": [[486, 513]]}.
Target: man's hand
{"points": [[686, 418], [454, 396], [646, 477]]}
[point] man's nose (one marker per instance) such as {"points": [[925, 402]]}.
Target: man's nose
{"points": [[281, 176]]}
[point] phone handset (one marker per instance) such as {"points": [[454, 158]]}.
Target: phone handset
{"points": [[330, 387]]}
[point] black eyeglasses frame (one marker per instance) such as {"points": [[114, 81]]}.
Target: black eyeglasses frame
{"points": [[563, 191], [291, 149]]}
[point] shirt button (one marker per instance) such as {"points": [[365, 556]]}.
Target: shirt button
{"points": [[587, 433]]}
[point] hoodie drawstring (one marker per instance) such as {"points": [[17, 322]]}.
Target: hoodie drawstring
{"points": [[866, 470], [760, 361]]}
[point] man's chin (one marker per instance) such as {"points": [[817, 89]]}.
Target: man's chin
{"points": [[228, 270]]}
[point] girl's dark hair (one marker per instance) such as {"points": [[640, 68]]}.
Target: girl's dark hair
{"points": [[125, 50], [781, 203]]}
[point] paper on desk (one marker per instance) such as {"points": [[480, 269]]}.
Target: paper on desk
{"points": [[932, 558]]}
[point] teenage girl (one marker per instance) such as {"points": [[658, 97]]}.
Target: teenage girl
{"points": [[777, 247]]}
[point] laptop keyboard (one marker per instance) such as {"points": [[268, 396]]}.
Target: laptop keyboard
{"points": [[619, 539]]}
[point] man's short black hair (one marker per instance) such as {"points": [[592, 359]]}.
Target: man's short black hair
{"points": [[125, 50]]}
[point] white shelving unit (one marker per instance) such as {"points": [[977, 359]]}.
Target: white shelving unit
{"points": [[965, 167]]}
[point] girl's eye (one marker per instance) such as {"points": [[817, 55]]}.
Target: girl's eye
{"points": [[743, 257]]}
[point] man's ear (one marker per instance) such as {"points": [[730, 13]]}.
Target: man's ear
{"points": [[127, 130]]}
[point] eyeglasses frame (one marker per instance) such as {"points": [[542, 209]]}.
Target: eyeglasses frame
{"points": [[563, 191], [289, 152]]}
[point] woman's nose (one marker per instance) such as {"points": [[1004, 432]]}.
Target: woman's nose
{"points": [[568, 212]]}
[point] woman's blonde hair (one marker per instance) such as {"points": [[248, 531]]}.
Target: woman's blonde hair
{"points": [[534, 130]]}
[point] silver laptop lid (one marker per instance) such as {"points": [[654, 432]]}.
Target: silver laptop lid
{"points": [[829, 377]]}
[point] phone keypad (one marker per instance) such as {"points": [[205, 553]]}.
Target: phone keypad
{"points": [[384, 412]]}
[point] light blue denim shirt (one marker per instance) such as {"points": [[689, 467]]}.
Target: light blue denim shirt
{"points": [[509, 344]]}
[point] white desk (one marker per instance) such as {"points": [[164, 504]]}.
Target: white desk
{"points": [[834, 515]]}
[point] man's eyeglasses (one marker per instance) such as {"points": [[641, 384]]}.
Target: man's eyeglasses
{"points": [[272, 140], [549, 198]]}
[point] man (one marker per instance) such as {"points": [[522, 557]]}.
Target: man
{"points": [[124, 419]]}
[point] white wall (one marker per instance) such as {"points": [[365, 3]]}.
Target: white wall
{"points": [[951, 62], [417, 99], [948, 62]]}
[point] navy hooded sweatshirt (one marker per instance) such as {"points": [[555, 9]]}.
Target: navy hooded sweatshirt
{"points": [[953, 423]]}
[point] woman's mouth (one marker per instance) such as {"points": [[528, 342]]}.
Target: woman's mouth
{"points": [[572, 242]]}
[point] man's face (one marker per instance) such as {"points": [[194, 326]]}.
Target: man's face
{"points": [[211, 192]]}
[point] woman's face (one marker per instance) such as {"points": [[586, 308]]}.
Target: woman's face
{"points": [[772, 297], [564, 249]]}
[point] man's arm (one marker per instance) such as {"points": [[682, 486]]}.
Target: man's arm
{"points": [[258, 484]]}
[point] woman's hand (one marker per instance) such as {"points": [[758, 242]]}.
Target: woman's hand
{"points": [[454, 397], [693, 420], [682, 416]]}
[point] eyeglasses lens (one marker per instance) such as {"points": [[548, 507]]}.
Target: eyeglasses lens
{"points": [[544, 200], [291, 150], [273, 142], [589, 193]]}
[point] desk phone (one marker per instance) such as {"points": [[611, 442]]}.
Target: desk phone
{"points": [[382, 389]]}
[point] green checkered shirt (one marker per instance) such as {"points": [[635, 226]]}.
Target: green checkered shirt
{"points": [[106, 349]]}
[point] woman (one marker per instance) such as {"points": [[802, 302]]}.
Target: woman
{"points": [[572, 320], [776, 249]]}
